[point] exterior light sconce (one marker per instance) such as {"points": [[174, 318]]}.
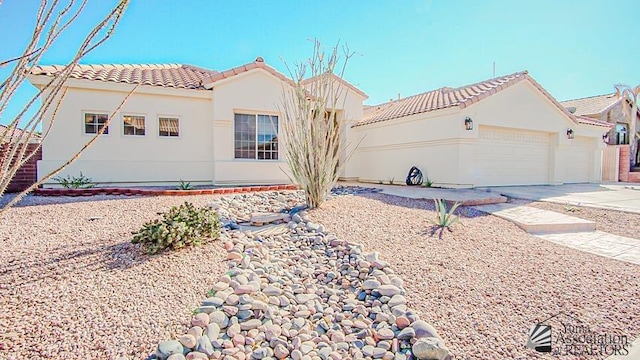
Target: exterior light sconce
{"points": [[605, 138], [569, 134], [468, 123]]}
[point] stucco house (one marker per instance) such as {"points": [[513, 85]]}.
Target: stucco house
{"points": [[182, 122], [209, 127], [611, 108], [503, 131]]}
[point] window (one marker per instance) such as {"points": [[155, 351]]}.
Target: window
{"points": [[93, 123], [256, 137], [133, 125], [169, 127], [621, 134]]}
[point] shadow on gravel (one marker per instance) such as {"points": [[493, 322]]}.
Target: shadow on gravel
{"points": [[34, 200], [25, 270], [462, 211]]}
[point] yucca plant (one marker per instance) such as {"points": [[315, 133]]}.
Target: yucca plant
{"points": [[444, 219]]}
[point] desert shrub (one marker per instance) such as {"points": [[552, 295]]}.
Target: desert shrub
{"points": [[444, 219], [74, 182], [184, 225]]}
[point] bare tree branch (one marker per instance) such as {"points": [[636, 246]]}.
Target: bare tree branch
{"points": [[48, 27], [315, 123], [19, 197]]}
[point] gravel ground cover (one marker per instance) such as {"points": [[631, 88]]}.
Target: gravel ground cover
{"points": [[74, 288], [295, 291], [484, 285], [611, 221]]}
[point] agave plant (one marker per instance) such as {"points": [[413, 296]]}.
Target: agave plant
{"points": [[444, 219], [184, 185], [428, 183]]}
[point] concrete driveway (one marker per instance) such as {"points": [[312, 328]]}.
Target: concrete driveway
{"points": [[615, 196]]}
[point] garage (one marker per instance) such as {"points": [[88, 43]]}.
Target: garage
{"points": [[511, 157], [578, 156]]}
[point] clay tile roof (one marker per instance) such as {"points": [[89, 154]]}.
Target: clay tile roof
{"points": [[16, 134], [166, 75], [442, 98], [590, 121], [257, 64], [593, 105]]}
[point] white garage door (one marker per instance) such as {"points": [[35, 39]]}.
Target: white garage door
{"points": [[511, 157], [577, 161]]}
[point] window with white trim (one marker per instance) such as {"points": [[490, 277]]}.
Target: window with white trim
{"points": [[168, 126], [256, 136], [133, 125], [94, 122]]}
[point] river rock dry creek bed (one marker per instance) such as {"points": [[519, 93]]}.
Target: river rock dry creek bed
{"points": [[359, 278]]}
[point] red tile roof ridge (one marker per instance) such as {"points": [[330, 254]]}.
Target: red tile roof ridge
{"points": [[591, 121], [440, 98]]}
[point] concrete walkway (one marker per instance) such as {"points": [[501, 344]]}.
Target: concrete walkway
{"points": [[614, 196], [567, 230], [468, 197]]}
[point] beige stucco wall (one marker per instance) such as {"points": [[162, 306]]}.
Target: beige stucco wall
{"points": [[204, 152], [389, 149], [521, 106], [117, 158], [258, 92], [439, 145], [255, 92]]}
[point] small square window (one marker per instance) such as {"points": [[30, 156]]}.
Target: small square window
{"points": [[133, 125], [169, 127], [93, 123]]}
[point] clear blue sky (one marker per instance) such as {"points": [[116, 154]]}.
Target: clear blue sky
{"points": [[573, 48]]}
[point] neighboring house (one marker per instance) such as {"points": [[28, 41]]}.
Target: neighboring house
{"points": [[503, 131], [207, 127], [183, 122], [27, 173], [610, 108]]}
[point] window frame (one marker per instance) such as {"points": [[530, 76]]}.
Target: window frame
{"points": [[144, 116], [95, 112], [256, 115], [169, 117]]}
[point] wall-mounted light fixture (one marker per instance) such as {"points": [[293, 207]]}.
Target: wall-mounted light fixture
{"points": [[569, 134], [468, 123], [605, 138]]}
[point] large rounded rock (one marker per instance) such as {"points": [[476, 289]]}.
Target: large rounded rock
{"points": [[388, 290], [176, 357], [168, 348], [423, 329], [188, 341], [219, 318], [430, 348]]}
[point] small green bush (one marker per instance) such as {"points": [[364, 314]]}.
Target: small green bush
{"points": [[183, 225], [74, 182]]}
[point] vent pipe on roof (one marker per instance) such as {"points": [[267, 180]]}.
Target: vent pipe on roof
{"points": [[571, 109]]}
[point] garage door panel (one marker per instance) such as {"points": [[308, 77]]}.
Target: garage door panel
{"points": [[511, 157]]}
